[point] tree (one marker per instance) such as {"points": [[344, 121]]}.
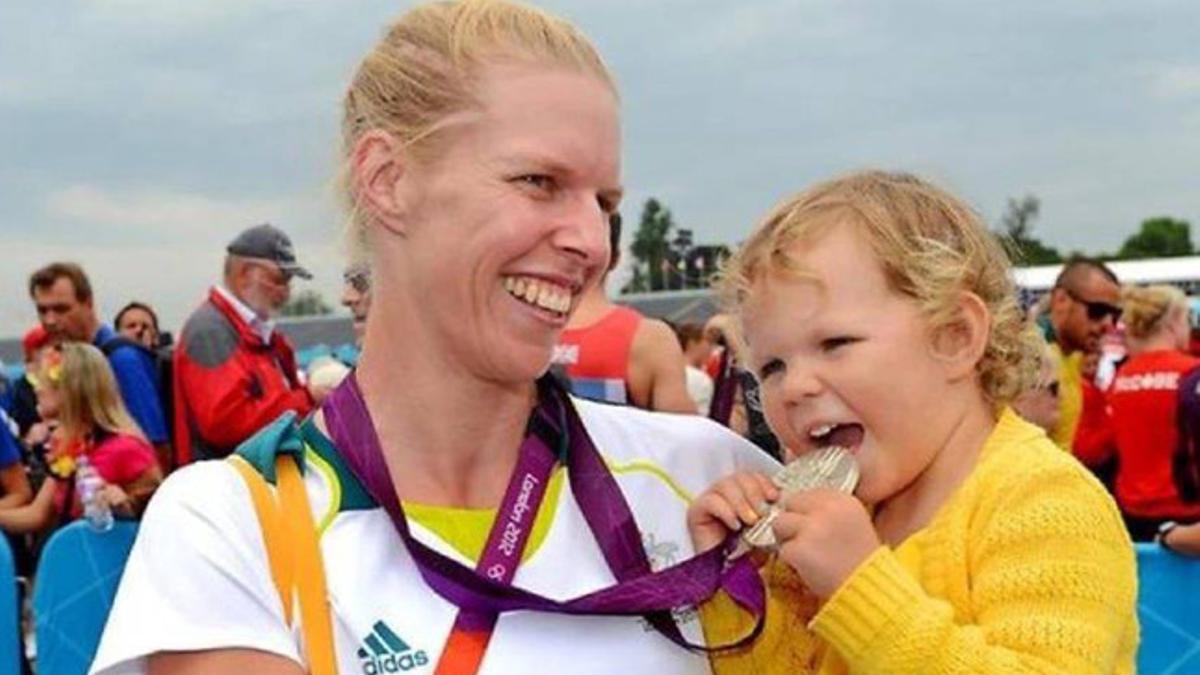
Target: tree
{"points": [[306, 303], [1160, 237], [650, 248], [1017, 229]]}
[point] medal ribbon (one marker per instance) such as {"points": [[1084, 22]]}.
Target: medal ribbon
{"points": [[555, 433]]}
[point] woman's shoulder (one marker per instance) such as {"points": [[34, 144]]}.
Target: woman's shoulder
{"points": [[670, 439]]}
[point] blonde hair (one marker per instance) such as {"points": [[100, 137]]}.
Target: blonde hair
{"points": [[90, 397], [428, 66], [1146, 309], [932, 248]]}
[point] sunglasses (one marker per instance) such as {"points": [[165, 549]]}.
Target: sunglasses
{"points": [[359, 280], [1097, 310]]}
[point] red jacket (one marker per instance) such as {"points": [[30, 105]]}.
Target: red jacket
{"points": [[228, 382], [1145, 400]]}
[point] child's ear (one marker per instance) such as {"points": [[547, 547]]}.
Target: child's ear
{"points": [[378, 170], [960, 344]]}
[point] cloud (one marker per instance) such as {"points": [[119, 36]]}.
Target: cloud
{"points": [[158, 214], [1175, 81]]}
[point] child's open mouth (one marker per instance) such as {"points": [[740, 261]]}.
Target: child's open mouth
{"points": [[848, 435]]}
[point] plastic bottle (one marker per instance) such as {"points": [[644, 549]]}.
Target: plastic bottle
{"points": [[88, 484]]}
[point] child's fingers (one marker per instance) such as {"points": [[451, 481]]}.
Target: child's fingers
{"points": [[770, 490], [715, 506]]}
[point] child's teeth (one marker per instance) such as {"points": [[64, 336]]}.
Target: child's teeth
{"points": [[821, 431]]}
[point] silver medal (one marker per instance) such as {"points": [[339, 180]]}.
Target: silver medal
{"points": [[830, 467]]}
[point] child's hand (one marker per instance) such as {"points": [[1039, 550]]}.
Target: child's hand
{"points": [[725, 507], [824, 535]]}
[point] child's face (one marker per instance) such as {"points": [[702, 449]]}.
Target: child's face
{"points": [[848, 351]]}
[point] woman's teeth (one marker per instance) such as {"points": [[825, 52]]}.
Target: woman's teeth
{"points": [[539, 293]]}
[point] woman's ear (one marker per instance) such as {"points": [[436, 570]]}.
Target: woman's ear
{"points": [[378, 167], [960, 344]]}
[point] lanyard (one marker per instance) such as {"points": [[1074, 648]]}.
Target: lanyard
{"points": [[483, 593]]}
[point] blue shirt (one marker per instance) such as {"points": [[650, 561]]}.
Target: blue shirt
{"points": [[10, 452], [139, 381]]}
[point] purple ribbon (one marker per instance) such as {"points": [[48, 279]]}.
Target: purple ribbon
{"points": [[638, 591]]}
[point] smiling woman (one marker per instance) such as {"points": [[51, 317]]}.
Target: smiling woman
{"points": [[481, 168]]}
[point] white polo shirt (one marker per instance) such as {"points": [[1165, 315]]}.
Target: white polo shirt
{"points": [[198, 576]]}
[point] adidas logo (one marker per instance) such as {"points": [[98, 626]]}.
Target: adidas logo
{"points": [[384, 652]]}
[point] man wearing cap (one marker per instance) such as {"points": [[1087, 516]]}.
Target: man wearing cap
{"points": [[234, 372]]}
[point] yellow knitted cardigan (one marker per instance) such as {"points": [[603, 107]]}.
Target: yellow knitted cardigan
{"points": [[1026, 569]]}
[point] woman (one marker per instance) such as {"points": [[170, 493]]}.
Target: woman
{"points": [[1157, 464], [483, 156], [78, 393]]}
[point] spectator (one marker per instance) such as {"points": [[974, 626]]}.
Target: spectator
{"points": [[1039, 404], [1158, 466], [737, 401], [234, 372], [14, 484], [138, 322], [613, 353], [696, 350], [24, 399], [78, 391], [1084, 305], [1094, 443], [62, 294], [356, 297]]}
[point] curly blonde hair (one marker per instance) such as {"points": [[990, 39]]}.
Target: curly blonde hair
{"points": [[428, 66], [1146, 309], [932, 248]]}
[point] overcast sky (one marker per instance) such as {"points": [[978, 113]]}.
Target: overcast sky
{"points": [[138, 136]]}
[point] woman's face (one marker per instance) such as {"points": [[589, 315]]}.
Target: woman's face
{"points": [[507, 224]]}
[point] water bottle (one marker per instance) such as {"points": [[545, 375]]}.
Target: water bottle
{"points": [[88, 484]]}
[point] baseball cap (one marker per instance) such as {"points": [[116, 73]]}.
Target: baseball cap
{"points": [[268, 242]]}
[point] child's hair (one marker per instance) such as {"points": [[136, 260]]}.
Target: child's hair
{"points": [[1146, 309], [428, 66], [90, 397], [932, 247]]}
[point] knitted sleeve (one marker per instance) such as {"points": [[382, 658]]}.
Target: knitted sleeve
{"points": [[784, 646], [1052, 590]]}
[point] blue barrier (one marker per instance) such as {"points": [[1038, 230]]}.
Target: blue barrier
{"points": [[1168, 611], [10, 624], [77, 579]]}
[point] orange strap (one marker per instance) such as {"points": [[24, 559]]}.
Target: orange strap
{"points": [[271, 525], [294, 555], [463, 653]]}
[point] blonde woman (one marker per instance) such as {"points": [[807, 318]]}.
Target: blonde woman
{"points": [[1156, 414], [482, 146], [78, 394]]}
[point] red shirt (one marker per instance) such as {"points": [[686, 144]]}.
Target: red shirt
{"points": [[1144, 400], [120, 459], [1093, 443], [596, 357]]}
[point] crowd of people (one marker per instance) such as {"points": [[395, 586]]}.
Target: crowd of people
{"points": [[511, 439]]}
